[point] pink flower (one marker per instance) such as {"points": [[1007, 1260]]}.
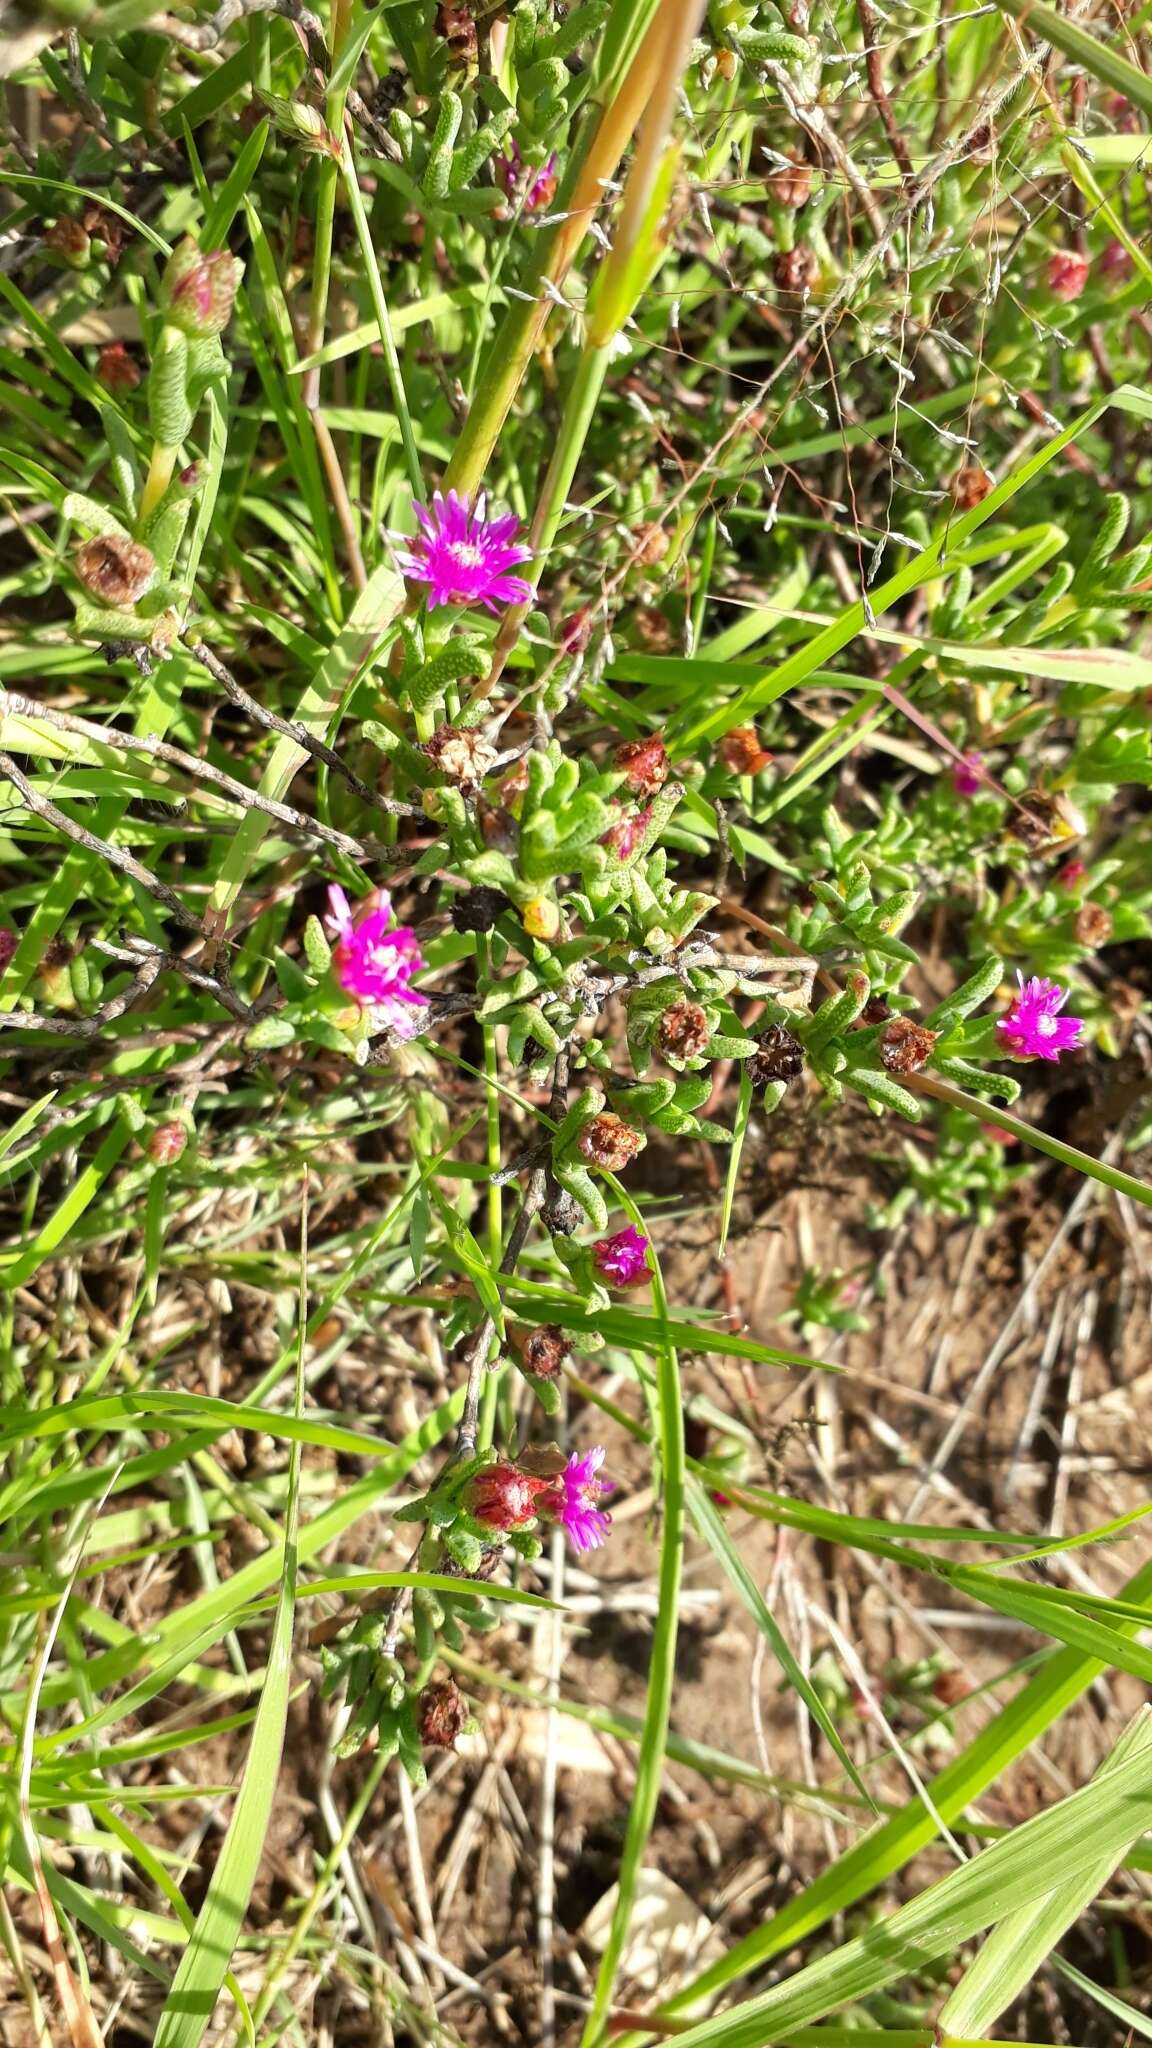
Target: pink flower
{"points": [[1067, 274], [966, 777], [540, 186], [623, 1259], [574, 1500], [1073, 871], [463, 556], [1033, 1027], [375, 961], [623, 838]]}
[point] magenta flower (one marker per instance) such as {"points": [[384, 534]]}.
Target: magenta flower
{"points": [[966, 777], [375, 961], [574, 1501], [538, 182], [623, 1259], [1033, 1027], [463, 556]]}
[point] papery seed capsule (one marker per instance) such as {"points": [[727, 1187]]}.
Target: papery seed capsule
{"points": [[462, 754], [795, 271], [607, 1141], [905, 1046], [442, 1714], [114, 570], [741, 752], [683, 1031], [791, 184], [650, 544], [970, 487], [1093, 925], [545, 1352], [116, 369]]}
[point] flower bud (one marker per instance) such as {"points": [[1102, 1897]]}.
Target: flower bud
{"points": [[1073, 871], [541, 918], [970, 487], [167, 1144], [791, 185], [8, 944], [198, 289], [623, 838], [795, 271], [442, 1714], [1093, 925], [1116, 265], [644, 763], [683, 1031], [113, 570], [905, 1046], [501, 1497], [71, 243], [576, 631], [779, 1056], [741, 752], [478, 909], [609, 1142], [116, 369], [951, 1686], [1067, 274], [545, 1352]]}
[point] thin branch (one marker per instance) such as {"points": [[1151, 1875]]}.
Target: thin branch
{"points": [[300, 734], [116, 856], [874, 65]]}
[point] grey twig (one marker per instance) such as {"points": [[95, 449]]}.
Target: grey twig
{"points": [[319, 749], [13, 705], [116, 856]]}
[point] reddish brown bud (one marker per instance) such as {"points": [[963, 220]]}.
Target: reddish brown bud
{"points": [[8, 945], [1093, 925], [791, 185], [166, 1144], [1116, 265], [113, 570], [970, 486], [951, 1686], [1067, 274], [795, 271], [623, 838], [683, 1031], [905, 1046], [116, 369], [607, 1141], [443, 1714], [198, 289], [70, 242], [651, 544], [644, 763], [779, 1056], [462, 754], [741, 752], [545, 1352], [877, 1010], [456, 26], [501, 1497], [576, 631]]}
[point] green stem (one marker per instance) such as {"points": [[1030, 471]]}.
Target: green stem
{"points": [[158, 479], [380, 308], [988, 1113]]}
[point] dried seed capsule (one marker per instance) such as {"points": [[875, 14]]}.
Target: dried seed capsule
{"points": [[562, 1213], [905, 1046], [478, 910], [970, 486], [741, 752], [545, 1352], [683, 1031], [795, 270], [607, 1141], [113, 570], [778, 1057], [1093, 925], [443, 1714], [463, 755], [791, 185], [651, 544], [116, 369]]}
